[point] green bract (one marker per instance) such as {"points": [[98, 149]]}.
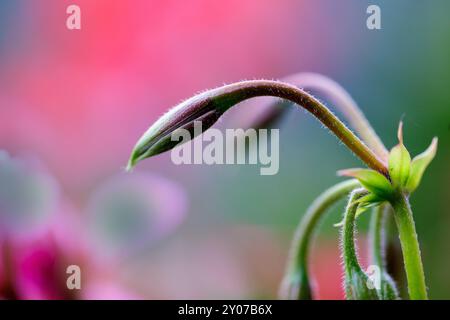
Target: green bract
{"points": [[419, 164], [372, 180]]}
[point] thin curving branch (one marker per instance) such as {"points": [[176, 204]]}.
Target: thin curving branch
{"points": [[337, 96], [296, 282]]}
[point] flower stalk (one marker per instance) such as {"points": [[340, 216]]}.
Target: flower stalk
{"points": [[296, 283], [338, 97], [410, 247], [358, 286]]}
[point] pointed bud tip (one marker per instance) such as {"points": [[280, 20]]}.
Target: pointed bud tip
{"points": [[434, 144], [400, 132], [132, 161], [129, 167]]}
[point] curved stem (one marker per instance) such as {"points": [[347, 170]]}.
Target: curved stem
{"points": [[237, 92], [358, 286], [410, 248], [305, 230], [297, 265], [337, 96], [348, 232], [342, 100]]}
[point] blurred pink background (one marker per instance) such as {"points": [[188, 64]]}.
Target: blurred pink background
{"points": [[79, 98]]}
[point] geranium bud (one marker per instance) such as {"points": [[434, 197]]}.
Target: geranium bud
{"points": [[399, 162], [158, 138]]}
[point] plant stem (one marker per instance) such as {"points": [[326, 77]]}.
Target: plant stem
{"points": [[410, 247], [356, 281], [348, 232], [342, 100], [297, 266], [240, 91], [305, 230]]}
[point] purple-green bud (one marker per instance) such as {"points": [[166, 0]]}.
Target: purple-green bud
{"points": [[158, 138]]}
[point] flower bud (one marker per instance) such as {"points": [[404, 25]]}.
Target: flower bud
{"points": [[158, 138], [399, 162]]}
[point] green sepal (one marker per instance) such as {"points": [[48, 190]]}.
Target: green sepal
{"points": [[372, 180], [419, 164]]}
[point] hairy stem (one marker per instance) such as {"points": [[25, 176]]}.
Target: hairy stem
{"points": [[249, 89], [297, 266], [357, 284], [348, 232], [410, 247], [305, 230], [342, 100]]}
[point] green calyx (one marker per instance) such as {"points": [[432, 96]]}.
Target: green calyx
{"points": [[404, 174]]}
